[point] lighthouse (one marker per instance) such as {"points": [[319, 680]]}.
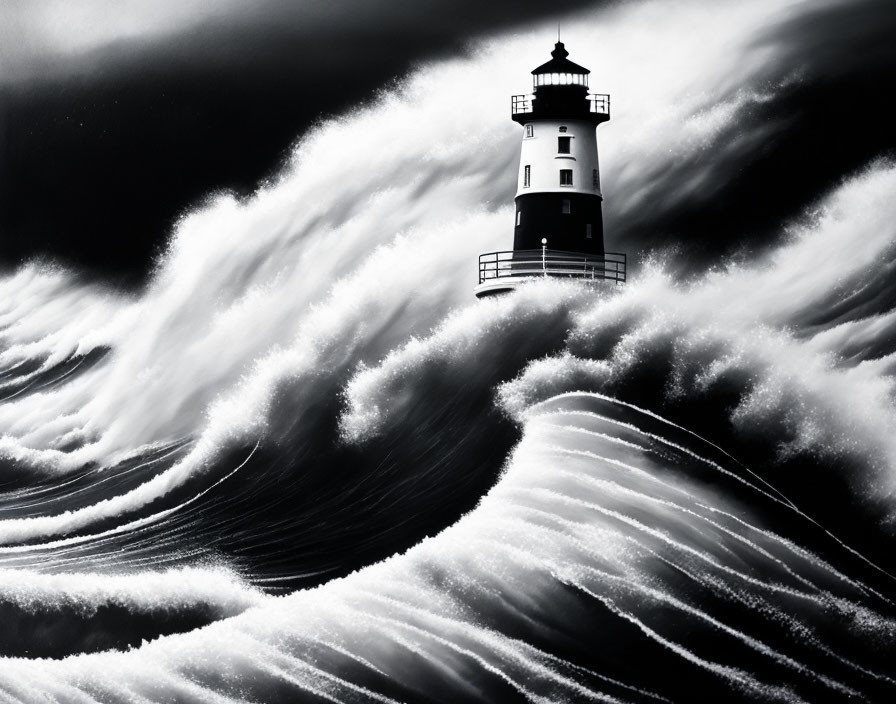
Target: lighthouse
{"points": [[558, 227]]}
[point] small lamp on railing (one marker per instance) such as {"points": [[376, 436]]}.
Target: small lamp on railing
{"points": [[544, 246]]}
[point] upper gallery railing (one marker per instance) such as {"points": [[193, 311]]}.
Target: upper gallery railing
{"points": [[521, 104]]}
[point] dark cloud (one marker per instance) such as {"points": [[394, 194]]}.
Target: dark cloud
{"points": [[104, 149]]}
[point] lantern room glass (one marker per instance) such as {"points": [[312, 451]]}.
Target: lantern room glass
{"points": [[560, 79]]}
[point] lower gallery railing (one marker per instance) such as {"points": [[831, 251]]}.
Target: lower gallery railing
{"points": [[551, 262]]}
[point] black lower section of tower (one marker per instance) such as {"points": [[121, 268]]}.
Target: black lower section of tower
{"points": [[568, 221]]}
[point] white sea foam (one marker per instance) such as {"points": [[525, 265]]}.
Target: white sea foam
{"points": [[171, 590], [734, 321]]}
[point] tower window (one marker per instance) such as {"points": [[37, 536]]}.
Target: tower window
{"points": [[565, 177], [587, 229], [530, 131], [594, 180], [563, 128], [563, 145], [527, 176], [567, 207], [519, 217]]}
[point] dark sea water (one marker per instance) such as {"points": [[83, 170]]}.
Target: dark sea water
{"points": [[305, 464]]}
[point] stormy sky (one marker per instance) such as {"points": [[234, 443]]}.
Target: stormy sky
{"points": [[117, 117]]}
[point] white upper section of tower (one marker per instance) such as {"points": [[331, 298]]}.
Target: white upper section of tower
{"points": [[559, 156]]}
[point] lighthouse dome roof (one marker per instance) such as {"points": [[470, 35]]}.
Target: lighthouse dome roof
{"points": [[560, 64]]}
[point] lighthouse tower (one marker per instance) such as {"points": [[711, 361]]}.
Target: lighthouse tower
{"points": [[558, 228]]}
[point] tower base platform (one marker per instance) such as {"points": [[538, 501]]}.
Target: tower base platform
{"points": [[500, 272], [498, 286]]}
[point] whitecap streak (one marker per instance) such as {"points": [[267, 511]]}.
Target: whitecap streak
{"points": [[167, 590]]}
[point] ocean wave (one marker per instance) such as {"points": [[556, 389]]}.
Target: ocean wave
{"points": [[598, 526]]}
